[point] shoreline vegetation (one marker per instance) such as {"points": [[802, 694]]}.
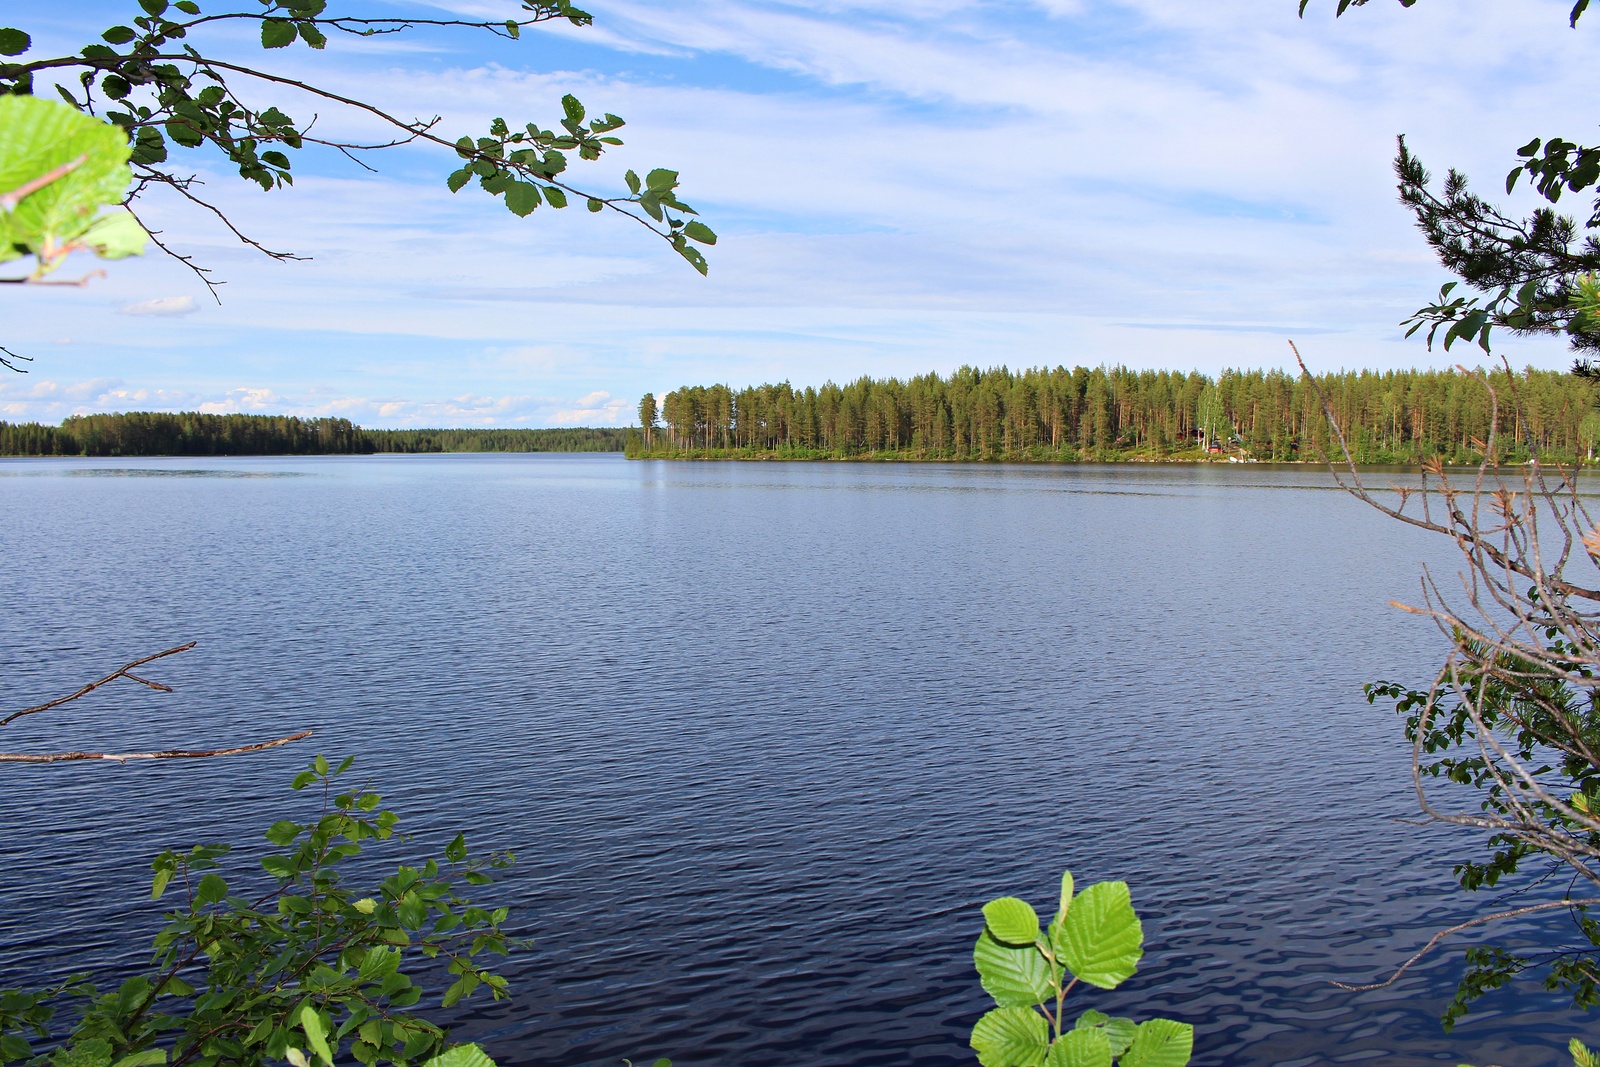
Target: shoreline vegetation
{"points": [[1038, 415], [146, 433], [1114, 414]]}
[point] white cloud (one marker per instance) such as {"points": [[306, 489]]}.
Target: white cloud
{"points": [[161, 305], [899, 187]]}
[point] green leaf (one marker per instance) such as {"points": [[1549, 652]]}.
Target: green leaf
{"points": [[1066, 895], [1101, 940], [312, 36], [188, 7], [555, 197], [87, 157], [458, 179], [115, 235], [183, 133], [150, 1057], [1160, 1043], [316, 1034], [412, 911], [1011, 1037], [461, 987], [210, 890], [1081, 1048], [118, 35], [1118, 1031], [456, 850], [1015, 977], [699, 231], [696, 260], [660, 180], [154, 8], [513, 29], [573, 108], [277, 33], [522, 198], [320, 764], [13, 42], [1012, 921], [633, 182], [594, 205], [91, 1053], [461, 1056], [282, 832], [158, 885]]}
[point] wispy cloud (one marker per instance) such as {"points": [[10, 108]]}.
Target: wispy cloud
{"points": [[161, 305], [899, 187]]}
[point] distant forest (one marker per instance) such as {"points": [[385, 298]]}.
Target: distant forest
{"points": [[145, 433], [1109, 413]]}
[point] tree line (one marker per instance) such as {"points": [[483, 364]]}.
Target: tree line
{"points": [[1114, 413], [192, 433]]}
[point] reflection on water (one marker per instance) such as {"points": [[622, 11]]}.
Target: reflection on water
{"points": [[765, 736]]}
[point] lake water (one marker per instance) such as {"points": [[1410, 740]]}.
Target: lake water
{"points": [[765, 736]]}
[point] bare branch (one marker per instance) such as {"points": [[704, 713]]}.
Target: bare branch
{"points": [[9, 201], [126, 671], [203, 273], [1479, 921], [120, 672], [124, 757]]}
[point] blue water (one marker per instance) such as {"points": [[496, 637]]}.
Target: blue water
{"points": [[765, 736]]}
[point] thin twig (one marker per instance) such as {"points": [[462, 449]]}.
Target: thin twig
{"points": [[9, 201], [1479, 921], [120, 672], [6, 356]]}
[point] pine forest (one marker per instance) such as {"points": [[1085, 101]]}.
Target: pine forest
{"points": [[1110, 413]]}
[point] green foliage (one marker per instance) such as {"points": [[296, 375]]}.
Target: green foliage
{"points": [[1106, 413], [247, 969], [58, 169], [189, 433], [1093, 937], [155, 79], [1526, 269], [1528, 710], [1582, 1055]]}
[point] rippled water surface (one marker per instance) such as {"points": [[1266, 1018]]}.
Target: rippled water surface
{"points": [[765, 736]]}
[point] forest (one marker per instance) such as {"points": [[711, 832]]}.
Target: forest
{"points": [[1108, 413], [146, 433]]}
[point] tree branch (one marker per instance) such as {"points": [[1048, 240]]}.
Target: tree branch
{"points": [[120, 672], [124, 757], [126, 671], [1479, 921]]}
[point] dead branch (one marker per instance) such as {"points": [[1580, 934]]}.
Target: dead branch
{"points": [[1523, 668], [1479, 921], [6, 356], [174, 753], [126, 671], [120, 672]]}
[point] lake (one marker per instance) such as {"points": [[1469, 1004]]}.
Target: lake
{"points": [[766, 736]]}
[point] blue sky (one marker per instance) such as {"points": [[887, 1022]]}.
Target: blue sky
{"points": [[899, 187]]}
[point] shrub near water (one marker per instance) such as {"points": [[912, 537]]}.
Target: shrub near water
{"points": [[1094, 938]]}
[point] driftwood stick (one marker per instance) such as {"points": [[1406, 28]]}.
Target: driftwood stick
{"points": [[124, 757]]}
